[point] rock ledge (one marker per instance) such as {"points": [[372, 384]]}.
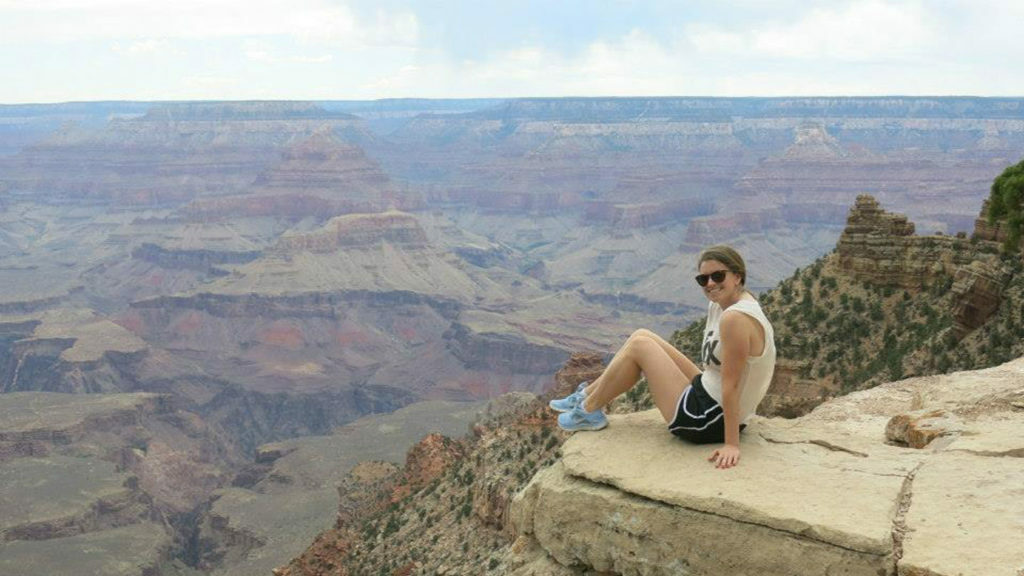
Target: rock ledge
{"points": [[827, 493]]}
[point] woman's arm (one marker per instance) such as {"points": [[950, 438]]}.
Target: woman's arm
{"points": [[735, 332]]}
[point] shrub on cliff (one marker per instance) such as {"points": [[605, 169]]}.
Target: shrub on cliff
{"points": [[1007, 200]]}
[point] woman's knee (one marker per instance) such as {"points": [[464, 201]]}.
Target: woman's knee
{"points": [[642, 333], [640, 345]]}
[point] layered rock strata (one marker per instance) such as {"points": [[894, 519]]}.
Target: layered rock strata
{"points": [[821, 494], [792, 394], [880, 248], [359, 231], [174, 153], [66, 351], [325, 167], [319, 177], [977, 293], [70, 500], [202, 260]]}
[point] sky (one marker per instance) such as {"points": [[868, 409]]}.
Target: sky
{"points": [[84, 50]]}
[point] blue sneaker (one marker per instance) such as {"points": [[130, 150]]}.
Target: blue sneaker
{"points": [[580, 419], [571, 401]]}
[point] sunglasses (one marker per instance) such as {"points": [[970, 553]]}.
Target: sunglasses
{"points": [[717, 276]]}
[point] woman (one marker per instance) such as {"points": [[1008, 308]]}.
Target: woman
{"points": [[738, 358]]}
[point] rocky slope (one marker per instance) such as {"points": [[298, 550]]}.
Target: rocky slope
{"points": [[447, 510], [276, 506]]}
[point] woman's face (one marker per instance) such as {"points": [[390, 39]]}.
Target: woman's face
{"points": [[724, 291]]}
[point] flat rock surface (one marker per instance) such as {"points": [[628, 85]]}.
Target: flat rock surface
{"points": [[802, 488], [284, 524], [966, 516], [43, 489], [127, 551], [29, 411], [953, 507]]}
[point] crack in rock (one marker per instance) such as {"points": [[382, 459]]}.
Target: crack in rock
{"points": [[899, 521], [822, 443], [1014, 453]]}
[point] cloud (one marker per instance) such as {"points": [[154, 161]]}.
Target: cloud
{"points": [[257, 51], [393, 48], [148, 47], [863, 30], [311, 21], [208, 83], [633, 64]]}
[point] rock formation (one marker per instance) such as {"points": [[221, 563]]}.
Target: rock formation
{"points": [[355, 231], [815, 495], [880, 248], [977, 293], [791, 393], [318, 177], [438, 514]]}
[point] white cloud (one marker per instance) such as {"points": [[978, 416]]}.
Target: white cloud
{"points": [[262, 52], [857, 31], [335, 49], [209, 84], [312, 21], [147, 47], [632, 65]]}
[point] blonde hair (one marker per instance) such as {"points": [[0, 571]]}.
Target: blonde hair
{"points": [[729, 257]]}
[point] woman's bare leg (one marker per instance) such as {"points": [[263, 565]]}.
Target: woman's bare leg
{"points": [[689, 369], [666, 378]]}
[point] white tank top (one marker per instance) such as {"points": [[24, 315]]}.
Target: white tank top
{"points": [[757, 374]]}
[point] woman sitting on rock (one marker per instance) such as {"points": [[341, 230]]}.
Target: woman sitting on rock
{"points": [[738, 358]]}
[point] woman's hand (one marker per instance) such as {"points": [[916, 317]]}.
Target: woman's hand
{"points": [[726, 457]]}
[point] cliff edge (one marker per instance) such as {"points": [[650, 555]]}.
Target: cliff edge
{"points": [[923, 476]]}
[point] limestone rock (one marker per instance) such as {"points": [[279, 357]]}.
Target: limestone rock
{"points": [[880, 248], [918, 428], [966, 517], [821, 494], [790, 394], [984, 230], [977, 292]]}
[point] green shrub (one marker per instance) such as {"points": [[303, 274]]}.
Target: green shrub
{"points": [[1005, 200]]}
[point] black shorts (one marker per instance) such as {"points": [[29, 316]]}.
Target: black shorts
{"points": [[699, 418]]}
